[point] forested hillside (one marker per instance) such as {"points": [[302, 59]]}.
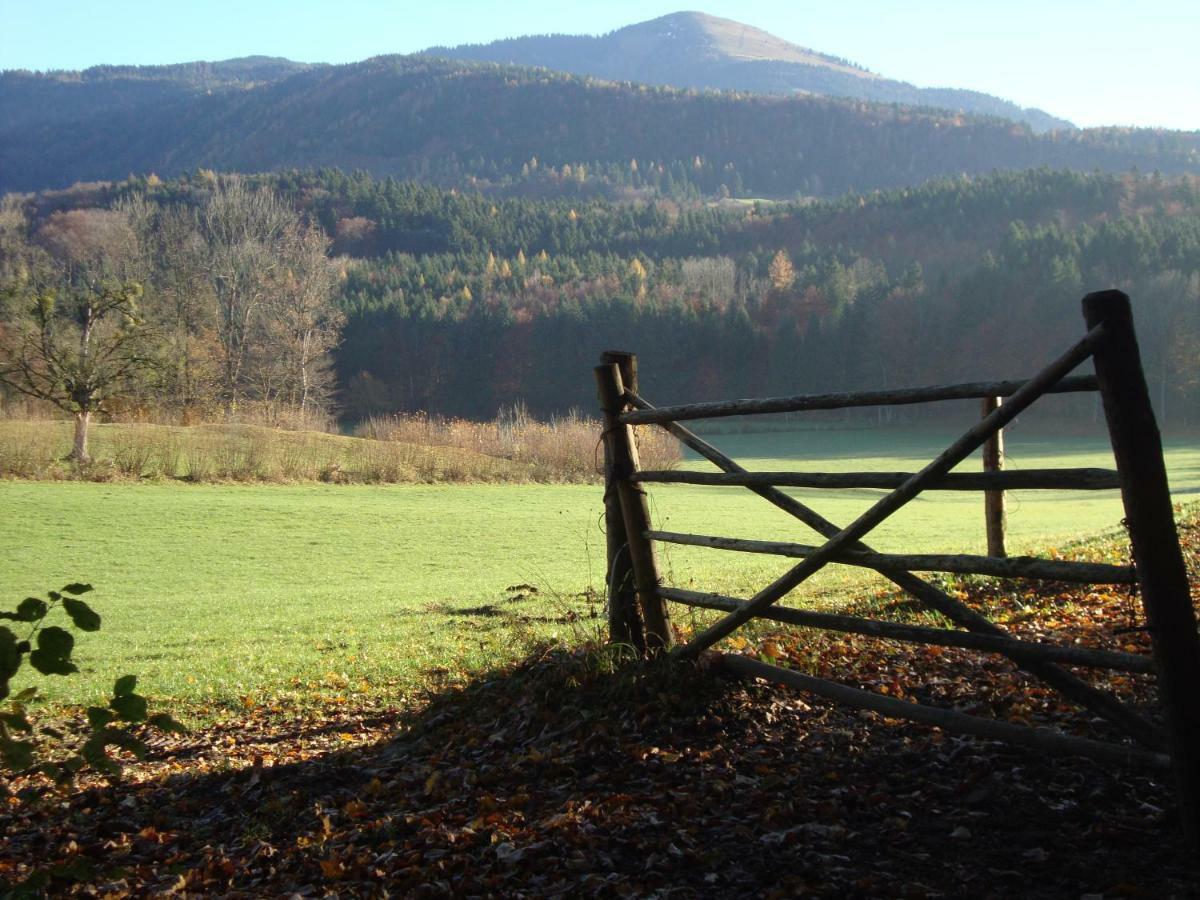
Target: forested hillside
{"points": [[957, 280], [530, 132], [37, 99], [458, 303]]}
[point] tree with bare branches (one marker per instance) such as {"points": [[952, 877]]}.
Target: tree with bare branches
{"points": [[73, 335], [243, 232], [301, 326], [271, 283]]}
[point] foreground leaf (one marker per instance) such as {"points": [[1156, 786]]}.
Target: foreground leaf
{"points": [[16, 719], [10, 659], [130, 707], [99, 717], [84, 617], [31, 609], [95, 753], [17, 755], [164, 722], [53, 653]]}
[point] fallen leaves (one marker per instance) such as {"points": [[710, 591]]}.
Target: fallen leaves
{"points": [[555, 779]]}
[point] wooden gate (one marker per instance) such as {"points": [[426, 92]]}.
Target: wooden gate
{"points": [[638, 611]]}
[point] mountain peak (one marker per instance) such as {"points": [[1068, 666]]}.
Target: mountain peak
{"points": [[696, 50], [733, 40]]}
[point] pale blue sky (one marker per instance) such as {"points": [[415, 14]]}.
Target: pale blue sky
{"points": [[1092, 61]]}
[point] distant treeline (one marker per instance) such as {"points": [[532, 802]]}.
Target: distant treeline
{"points": [[459, 303]]}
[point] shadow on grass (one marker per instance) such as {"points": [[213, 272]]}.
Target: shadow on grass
{"points": [[572, 774], [519, 619]]}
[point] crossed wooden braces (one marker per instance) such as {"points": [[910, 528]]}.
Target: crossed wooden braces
{"points": [[1159, 571]]}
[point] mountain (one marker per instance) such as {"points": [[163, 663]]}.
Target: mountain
{"points": [[31, 99], [486, 126], [695, 50]]}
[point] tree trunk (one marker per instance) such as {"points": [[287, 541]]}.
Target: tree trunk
{"points": [[80, 451], [304, 373]]}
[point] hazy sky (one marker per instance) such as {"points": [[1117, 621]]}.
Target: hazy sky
{"points": [[1092, 61]]}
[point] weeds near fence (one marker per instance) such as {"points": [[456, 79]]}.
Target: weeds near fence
{"points": [[565, 448], [392, 450]]}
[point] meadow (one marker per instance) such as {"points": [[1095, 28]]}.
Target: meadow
{"points": [[400, 449], [226, 596]]}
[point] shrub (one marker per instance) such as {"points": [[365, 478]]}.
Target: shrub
{"points": [[47, 649]]}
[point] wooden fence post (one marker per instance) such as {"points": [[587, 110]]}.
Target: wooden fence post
{"points": [[635, 509], [1162, 575], [624, 618], [993, 501]]}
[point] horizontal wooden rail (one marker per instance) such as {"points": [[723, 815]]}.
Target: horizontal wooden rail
{"points": [[805, 402], [1046, 740], [1028, 480], [962, 564], [920, 634]]}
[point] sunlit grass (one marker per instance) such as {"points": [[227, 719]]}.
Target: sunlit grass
{"points": [[396, 451], [219, 595]]}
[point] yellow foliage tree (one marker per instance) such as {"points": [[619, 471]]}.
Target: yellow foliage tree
{"points": [[781, 272]]}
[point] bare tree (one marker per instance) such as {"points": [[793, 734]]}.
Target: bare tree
{"points": [[244, 234], [73, 336], [184, 305], [300, 322], [712, 278], [271, 284]]}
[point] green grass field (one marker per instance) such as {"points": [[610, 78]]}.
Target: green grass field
{"points": [[220, 595]]}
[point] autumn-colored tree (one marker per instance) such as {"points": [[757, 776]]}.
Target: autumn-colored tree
{"points": [[637, 277], [781, 272]]}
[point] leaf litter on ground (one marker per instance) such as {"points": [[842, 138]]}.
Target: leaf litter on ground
{"points": [[572, 773]]}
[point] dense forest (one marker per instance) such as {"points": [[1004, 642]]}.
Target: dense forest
{"points": [[956, 280], [457, 302], [35, 99], [525, 132]]}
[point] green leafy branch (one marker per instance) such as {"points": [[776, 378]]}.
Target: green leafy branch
{"points": [[48, 649]]}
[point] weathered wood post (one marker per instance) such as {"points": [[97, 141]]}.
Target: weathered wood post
{"points": [[624, 618], [1162, 575], [621, 461], [994, 512]]}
